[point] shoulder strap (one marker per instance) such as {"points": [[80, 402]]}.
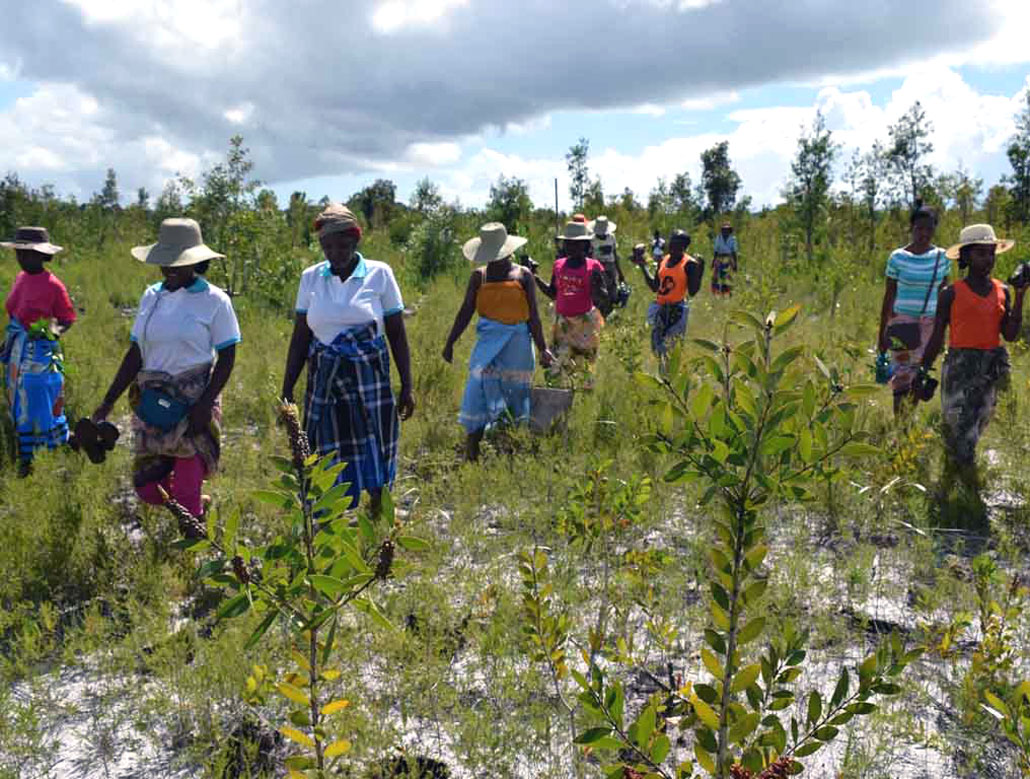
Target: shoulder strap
{"points": [[933, 282]]}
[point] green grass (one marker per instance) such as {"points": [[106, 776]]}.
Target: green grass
{"points": [[76, 590]]}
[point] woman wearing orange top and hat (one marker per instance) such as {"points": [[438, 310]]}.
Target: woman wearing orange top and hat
{"points": [[502, 363], [977, 311], [677, 279]]}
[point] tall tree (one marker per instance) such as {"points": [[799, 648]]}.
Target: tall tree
{"points": [[719, 179], [142, 198], [628, 201], [681, 193], [298, 219], [108, 197], [659, 202], [509, 203], [579, 173], [376, 202], [811, 174], [1019, 158], [966, 191], [426, 198], [874, 169], [593, 198], [909, 146]]}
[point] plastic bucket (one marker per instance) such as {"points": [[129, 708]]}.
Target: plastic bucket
{"points": [[548, 406]]}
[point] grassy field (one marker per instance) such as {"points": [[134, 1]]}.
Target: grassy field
{"points": [[104, 625]]}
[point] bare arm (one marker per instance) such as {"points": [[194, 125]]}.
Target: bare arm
{"points": [[551, 290], [890, 294], [297, 355], [695, 272], [940, 324], [127, 371], [1012, 322], [618, 267], [598, 288], [536, 329], [398, 338], [200, 412], [464, 315]]}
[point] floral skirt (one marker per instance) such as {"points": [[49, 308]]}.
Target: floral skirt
{"points": [[576, 340], [970, 381]]}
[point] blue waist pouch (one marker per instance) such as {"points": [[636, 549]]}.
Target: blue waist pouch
{"points": [[161, 410]]}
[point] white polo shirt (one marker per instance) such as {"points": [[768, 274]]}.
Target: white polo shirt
{"points": [[370, 295], [180, 330]]}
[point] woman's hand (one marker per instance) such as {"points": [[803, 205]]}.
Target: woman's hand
{"points": [[102, 411], [200, 418], [638, 254], [448, 352], [406, 403], [883, 343], [546, 358]]}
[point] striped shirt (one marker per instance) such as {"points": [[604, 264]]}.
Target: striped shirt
{"points": [[915, 275]]}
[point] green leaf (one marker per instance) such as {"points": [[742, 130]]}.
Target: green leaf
{"points": [[745, 677], [293, 693], [278, 499], [413, 544], [592, 735], [711, 662], [808, 749], [704, 758], [706, 714], [756, 556], [709, 345], [701, 401], [234, 607], [815, 707], [645, 726], [785, 318], [367, 606], [821, 366], [329, 586], [859, 449], [751, 631], [748, 320], [744, 727], [786, 357], [337, 748], [805, 445], [840, 692], [715, 641], [826, 733], [661, 748], [856, 391], [720, 596], [996, 702], [231, 524], [260, 630]]}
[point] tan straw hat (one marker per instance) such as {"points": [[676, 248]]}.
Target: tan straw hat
{"points": [[576, 231], [179, 243], [493, 243], [979, 235], [36, 239], [601, 226]]}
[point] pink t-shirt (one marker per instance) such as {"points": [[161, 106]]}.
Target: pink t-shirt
{"points": [[574, 298], [36, 296]]}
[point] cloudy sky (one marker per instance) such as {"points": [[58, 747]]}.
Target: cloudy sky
{"points": [[331, 95]]}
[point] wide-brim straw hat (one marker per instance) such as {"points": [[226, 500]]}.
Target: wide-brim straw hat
{"points": [[601, 226], [179, 243], [36, 239], [492, 243], [576, 231], [979, 235]]}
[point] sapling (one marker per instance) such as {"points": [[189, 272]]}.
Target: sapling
{"points": [[753, 430], [328, 560]]}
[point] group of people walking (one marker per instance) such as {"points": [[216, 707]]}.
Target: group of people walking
{"points": [[921, 306], [349, 326]]}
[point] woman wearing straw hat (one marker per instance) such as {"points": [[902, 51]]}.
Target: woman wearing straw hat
{"points": [[977, 312], [604, 250], [182, 353], [40, 311], [577, 287], [502, 363], [348, 309]]}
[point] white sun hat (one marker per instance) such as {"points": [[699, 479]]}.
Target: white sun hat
{"points": [[492, 243], [979, 235], [601, 226], [179, 243], [576, 231]]}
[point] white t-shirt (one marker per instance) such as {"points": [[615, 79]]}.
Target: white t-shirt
{"points": [[604, 248], [180, 330], [370, 294]]}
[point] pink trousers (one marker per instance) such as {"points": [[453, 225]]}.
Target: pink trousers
{"points": [[183, 484]]}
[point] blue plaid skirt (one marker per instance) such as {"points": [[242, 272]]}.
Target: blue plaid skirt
{"points": [[349, 409]]}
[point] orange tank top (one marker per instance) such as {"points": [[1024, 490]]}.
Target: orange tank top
{"points": [[672, 280], [975, 320], [503, 301]]}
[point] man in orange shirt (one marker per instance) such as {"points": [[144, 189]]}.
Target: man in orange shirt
{"points": [[678, 278]]}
